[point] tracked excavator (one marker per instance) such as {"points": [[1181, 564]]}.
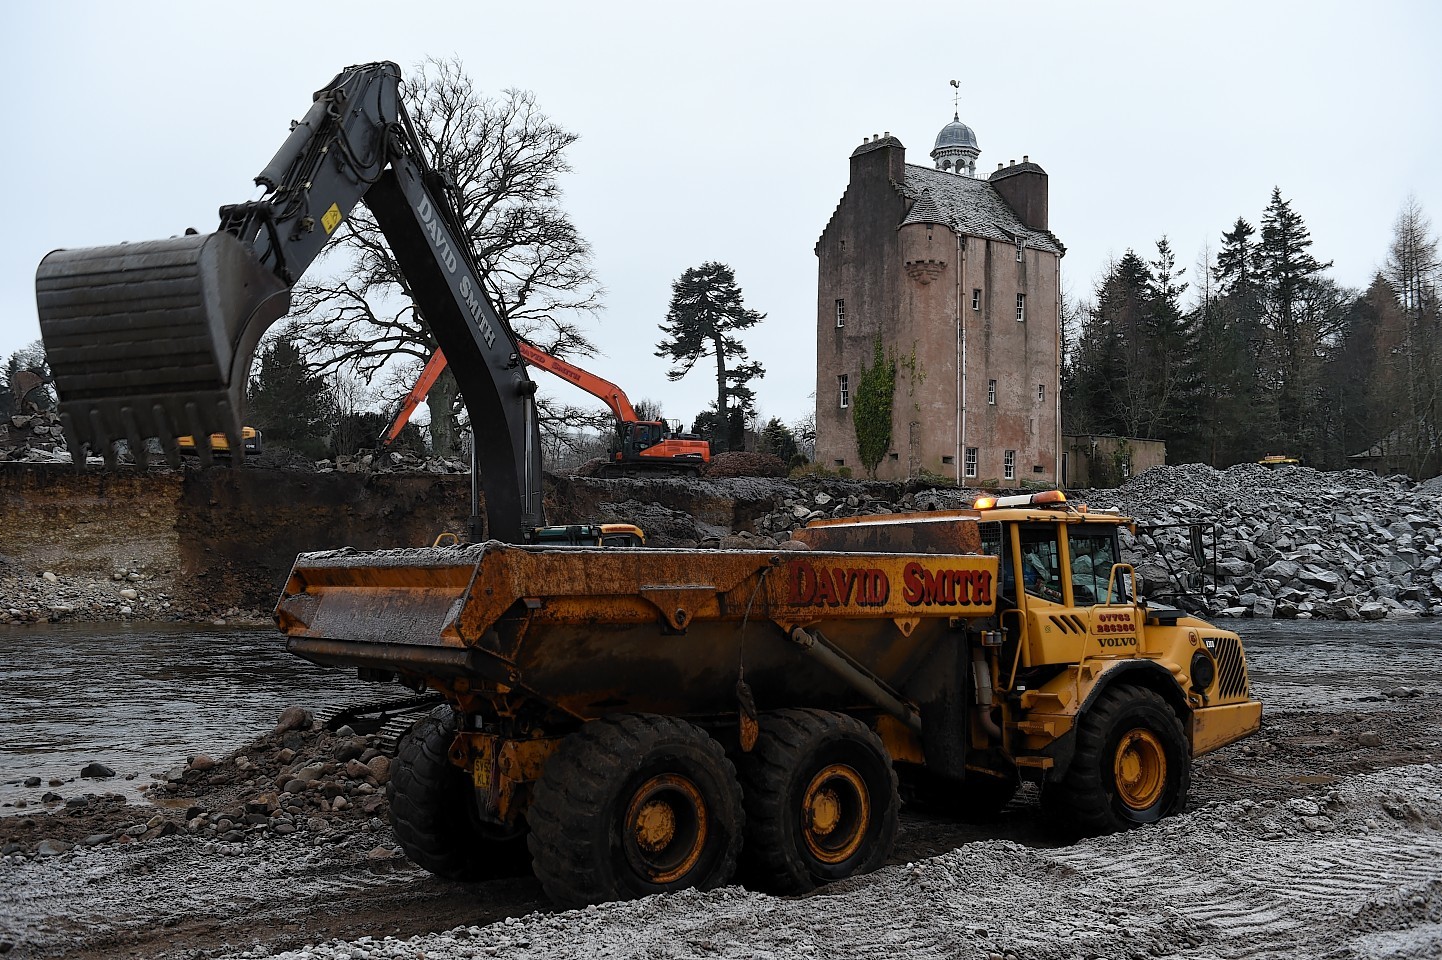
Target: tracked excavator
{"points": [[642, 720], [642, 445]]}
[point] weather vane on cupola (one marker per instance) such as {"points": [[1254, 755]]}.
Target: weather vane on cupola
{"points": [[956, 99]]}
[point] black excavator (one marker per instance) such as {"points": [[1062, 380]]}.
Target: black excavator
{"points": [[155, 339]]}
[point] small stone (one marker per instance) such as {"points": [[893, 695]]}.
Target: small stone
{"points": [[32, 781], [317, 825], [283, 828], [96, 839], [54, 848], [49, 577], [380, 853], [130, 593], [345, 732], [201, 762], [98, 771], [1369, 738], [380, 768]]}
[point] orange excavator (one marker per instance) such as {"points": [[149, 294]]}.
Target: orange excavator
{"points": [[643, 444]]}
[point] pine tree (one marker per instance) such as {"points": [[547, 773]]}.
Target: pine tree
{"points": [[706, 311], [1289, 271], [292, 406]]}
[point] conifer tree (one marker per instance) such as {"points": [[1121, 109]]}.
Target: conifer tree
{"points": [[292, 406], [1289, 271], [706, 310]]}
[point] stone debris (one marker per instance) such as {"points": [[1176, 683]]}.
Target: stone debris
{"points": [[296, 778], [1293, 542]]}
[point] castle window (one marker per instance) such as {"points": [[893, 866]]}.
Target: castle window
{"points": [[976, 298], [844, 389], [841, 315], [991, 392], [969, 464], [1041, 393], [895, 456], [1020, 246], [948, 460], [1008, 465], [1020, 307]]}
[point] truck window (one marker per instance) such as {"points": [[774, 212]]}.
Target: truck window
{"points": [[1041, 562], [1092, 555]]}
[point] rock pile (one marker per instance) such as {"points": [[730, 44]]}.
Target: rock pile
{"points": [[32, 436], [297, 779], [1296, 542]]}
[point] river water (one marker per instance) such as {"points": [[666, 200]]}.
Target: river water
{"points": [[141, 698]]}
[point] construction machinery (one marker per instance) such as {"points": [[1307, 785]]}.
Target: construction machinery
{"points": [[646, 720], [642, 445]]}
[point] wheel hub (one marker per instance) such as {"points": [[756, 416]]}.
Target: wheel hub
{"points": [[665, 828], [1140, 769], [835, 813]]}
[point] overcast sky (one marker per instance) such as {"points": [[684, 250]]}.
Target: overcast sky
{"points": [[721, 131]]}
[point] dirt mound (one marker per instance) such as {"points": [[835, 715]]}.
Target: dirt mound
{"points": [[740, 464]]}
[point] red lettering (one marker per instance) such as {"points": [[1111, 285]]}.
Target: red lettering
{"points": [[825, 589], [803, 583], [880, 590], [912, 589]]}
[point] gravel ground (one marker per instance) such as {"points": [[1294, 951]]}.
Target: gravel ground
{"points": [[1321, 837]]}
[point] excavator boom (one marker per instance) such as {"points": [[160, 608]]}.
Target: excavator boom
{"points": [[155, 340]]}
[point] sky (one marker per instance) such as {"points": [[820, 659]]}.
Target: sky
{"points": [[722, 131]]}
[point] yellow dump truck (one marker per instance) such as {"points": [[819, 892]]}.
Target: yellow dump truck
{"points": [[648, 717]]}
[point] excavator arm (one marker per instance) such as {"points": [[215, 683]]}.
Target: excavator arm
{"points": [[156, 339]]}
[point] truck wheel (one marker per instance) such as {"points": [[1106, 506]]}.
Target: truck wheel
{"points": [[1132, 765], [634, 805], [821, 800], [433, 808]]}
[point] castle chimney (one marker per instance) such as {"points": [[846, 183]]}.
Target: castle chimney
{"points": [[1025, 191]]}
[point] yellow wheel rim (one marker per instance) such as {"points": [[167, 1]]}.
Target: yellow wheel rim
{"points": [[665, 828], [835, 813], [1140, 769]]}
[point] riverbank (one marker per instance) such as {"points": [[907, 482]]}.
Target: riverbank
{"points": [[201, 546]]}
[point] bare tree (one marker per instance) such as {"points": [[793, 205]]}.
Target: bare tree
{"points": [[1414, 270], [505, 158]]}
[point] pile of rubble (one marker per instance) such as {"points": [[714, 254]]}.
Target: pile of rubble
{"points": [[1296, 542], [32, 436], [299, 778]]}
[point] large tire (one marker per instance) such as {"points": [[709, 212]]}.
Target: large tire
{"points": [[433, 808], [821, 800], [1132, 766], [634, 805]]}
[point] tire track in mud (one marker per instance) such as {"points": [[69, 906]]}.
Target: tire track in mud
{"points": [[1353, 873]]}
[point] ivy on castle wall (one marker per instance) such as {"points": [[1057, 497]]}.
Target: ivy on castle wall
{"points": [[871, 408]]}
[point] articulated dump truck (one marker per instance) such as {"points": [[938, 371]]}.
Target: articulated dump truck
{"points": [[648, 719]]}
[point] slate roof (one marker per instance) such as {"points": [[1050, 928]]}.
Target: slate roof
{"points": [[968, 206]]}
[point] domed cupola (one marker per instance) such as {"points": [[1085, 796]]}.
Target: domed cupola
{"points": [[956, 150]]}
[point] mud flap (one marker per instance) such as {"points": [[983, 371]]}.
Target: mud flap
{"points": [[154, 340]]}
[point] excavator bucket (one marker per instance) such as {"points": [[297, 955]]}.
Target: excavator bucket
{"points": [[154, 340]]}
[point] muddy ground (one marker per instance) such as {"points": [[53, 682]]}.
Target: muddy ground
{"points": [[285, 846]]}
